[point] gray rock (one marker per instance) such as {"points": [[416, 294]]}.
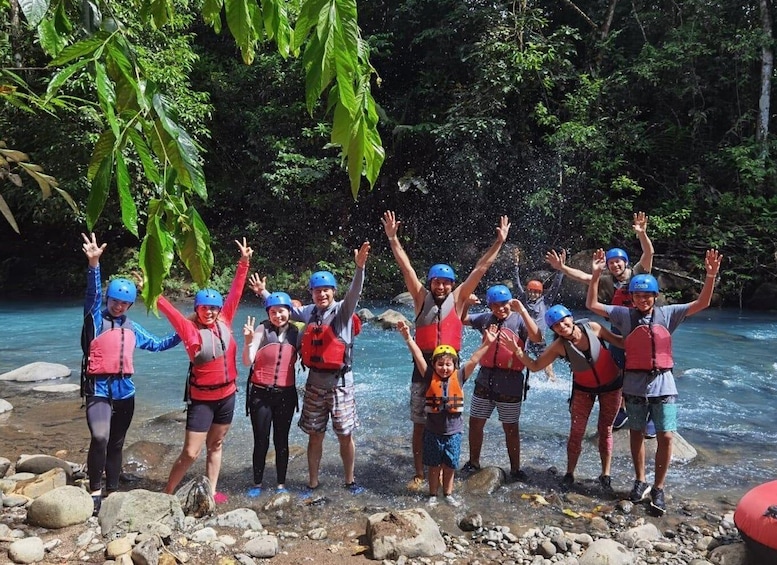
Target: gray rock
{"points": [[389, 319], [681, 449], [412, 533], [61, 507], [406, 298], [471, 522], [241, 518], [262, 547], [27, 550], [5, 406], [38, 371], [318, 533], [39, 464], [5, 464], [647, 532], [547, 549], [486, 481], [132, 511], [365, 315], [14, 500], [606, 551], [732, 554], [145, 553], [205, 535]]}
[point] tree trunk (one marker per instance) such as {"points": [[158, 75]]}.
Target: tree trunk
{"points": [[767, 67]]}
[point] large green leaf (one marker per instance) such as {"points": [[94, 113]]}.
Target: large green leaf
{"points": [[194, 246], [129, 213], [276, 24], [50, 40], [77, 50], [102, 149], [156, 256], [307, 19], [240, 23], [149, 166], [98, 193], [211, 13], [34, 10], [107, 97], [63, 75]]}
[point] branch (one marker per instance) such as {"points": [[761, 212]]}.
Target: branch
{"points": [[582, 14]]}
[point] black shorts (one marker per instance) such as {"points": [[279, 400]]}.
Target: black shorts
{"points": [[202, 414]]}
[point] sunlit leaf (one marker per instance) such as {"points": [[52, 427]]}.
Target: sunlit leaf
{"points": [[194, 247], [240, 23], [211, 13], [149, 166], [77, 50], [98, 194], [50, 40], [6, 211], [129, 213], [63, 75], [156, 256], [103, 148], [34, 10]]}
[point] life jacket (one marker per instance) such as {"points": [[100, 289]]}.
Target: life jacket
{"points": [[322, 349], [111, 356], [593, 370], [436, 325], [444, 395], [622, 296], [499, 357], [649, 345], [273, 364], [209, 369]]}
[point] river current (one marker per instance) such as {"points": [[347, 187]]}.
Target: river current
{"points": [[725, 364]]}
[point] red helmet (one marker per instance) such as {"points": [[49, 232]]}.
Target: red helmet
{"points": [[535, 286]]}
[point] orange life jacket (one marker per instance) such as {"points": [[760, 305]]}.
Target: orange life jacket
{"points": [[322, 348], [444, 395], [273, 364]]}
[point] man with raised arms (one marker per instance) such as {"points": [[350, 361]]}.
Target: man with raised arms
{"points": [[439, 308]]}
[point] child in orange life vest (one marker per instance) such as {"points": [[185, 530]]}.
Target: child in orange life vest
{"points": [[594, 376], [444, 408]]}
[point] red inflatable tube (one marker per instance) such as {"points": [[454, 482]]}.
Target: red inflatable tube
{"points": [[756, 519]]}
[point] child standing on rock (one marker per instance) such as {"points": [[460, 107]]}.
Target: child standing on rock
{"points": [[444, 406]]}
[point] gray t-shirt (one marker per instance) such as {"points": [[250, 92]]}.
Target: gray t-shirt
{"points": [[643, 383]]}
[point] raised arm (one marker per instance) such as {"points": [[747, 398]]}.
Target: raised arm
{"points": [[534, 332], [640, 228], [559, 262], [554, 350], [518, 289], [462, 292], [712, 261], [592, 299], [414, 286], [415, 351], [470, 302], [93, 298], [351, 298], [552, 294], [249, 347], [489, 337]]}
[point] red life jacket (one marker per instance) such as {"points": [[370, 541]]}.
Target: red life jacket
{"points": [[213, 371], [437, 325], [444, 395], [273, 365], [499, 357], [622, 297], [649, 346], [110, 353], [592, 370], [322, 349]]}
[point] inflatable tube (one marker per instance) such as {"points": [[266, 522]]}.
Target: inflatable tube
{"points": [[756, 518]]}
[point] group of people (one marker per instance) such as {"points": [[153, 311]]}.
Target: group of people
{"points": [[635, 370]]}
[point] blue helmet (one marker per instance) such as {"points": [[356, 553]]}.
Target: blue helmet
{"points": [[555, 314], [616, 253], [208, 297], [498, 293], [643, 283], [322, 278], [122, 289], [277, 299], [441, 271]]}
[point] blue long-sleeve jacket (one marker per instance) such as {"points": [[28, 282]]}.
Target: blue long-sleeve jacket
{"points": [[96, 320]]}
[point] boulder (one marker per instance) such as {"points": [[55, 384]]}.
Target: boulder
{"points": [[606, 551], [682, 451], [409, 533], [41, 484], [38, 371], [240, 518], [57, 389], [485, 481], [365, 315], [61, 507], [404, 298], [5, 406], [27, 550], [389, 319], [133, 511], [631, 536], [262, 547], [40, 464]]}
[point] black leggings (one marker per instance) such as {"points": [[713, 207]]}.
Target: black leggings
{"points": [[108, 423], [272, 410]]}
